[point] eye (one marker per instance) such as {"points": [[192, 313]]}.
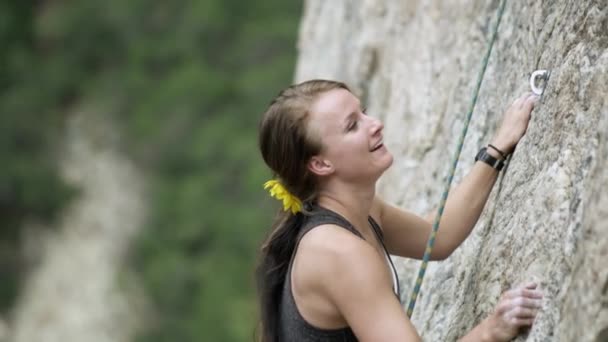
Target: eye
{"points": [[364, 110], [353, 125]]}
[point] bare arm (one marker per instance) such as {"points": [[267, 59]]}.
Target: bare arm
{"points": [[360, 287], [406, 234], [355, 279]]}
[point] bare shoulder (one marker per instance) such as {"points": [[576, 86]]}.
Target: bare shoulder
{"points": [[328, 245], [330, 250], [334, 257], [350, 276]]}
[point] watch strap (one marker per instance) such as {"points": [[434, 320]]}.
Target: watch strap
{"points": [[487, 158]]}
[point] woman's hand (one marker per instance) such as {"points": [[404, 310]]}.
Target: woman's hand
{"points": [[517, 309], [515, 123]]}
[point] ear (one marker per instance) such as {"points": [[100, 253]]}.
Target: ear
{"points": [[320, 166]]}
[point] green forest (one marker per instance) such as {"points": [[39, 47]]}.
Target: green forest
{"points": [[186, 82]]}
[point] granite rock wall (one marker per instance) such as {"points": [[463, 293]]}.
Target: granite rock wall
{"points": [[414, 64]]}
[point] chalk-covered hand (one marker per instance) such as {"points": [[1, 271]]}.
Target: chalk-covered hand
{"points": [[516, 309], [515, 123]]}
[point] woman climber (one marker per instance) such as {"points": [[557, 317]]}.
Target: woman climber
{"points": [[325, 273]]}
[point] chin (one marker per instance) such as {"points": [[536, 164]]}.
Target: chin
{"points": [[389, 161]]}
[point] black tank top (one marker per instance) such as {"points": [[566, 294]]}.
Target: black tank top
{"points": [[292, 326]]}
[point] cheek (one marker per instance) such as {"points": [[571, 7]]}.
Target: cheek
{"points": [[346, 149]]}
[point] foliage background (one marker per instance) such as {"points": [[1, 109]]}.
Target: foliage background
{"points": [[186, 82]]}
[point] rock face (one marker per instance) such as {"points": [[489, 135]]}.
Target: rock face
{"points": [[414, 64]]}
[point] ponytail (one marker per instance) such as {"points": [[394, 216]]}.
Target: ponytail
{"points": [[271, 272]]}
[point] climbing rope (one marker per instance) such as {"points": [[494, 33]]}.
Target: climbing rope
{"points": [[431, 241]]}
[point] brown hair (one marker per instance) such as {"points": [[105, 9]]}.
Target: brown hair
{"points": [[287, 145]]}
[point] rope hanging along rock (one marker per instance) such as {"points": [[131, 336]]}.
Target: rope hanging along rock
{"points": [[431, 240]]}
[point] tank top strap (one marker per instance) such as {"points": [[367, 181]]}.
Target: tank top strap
{"points": [[376, 228], [380, 236], [320, 216]]}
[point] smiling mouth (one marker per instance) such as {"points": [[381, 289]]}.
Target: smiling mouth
{"points": [[377, 147]]}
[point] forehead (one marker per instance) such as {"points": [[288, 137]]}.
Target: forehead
{"points": [[331, 108]]}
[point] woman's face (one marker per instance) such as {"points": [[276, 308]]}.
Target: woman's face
{"points": [[352, 145]]}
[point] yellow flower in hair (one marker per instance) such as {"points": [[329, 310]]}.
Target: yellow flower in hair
{"points": [[278, 191]]}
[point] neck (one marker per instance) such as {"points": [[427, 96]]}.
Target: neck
{"points": [[352, 202]]}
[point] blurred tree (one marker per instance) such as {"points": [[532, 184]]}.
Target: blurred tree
{"points": [[30, 187], [187, 82], [213, 82]]}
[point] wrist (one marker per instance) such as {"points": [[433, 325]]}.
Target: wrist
{"points": [[487, 331], [494, 153], [484, 155], [503, 147], [483, 332]]}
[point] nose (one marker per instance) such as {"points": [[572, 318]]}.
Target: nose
{"points": [[377, 126]]}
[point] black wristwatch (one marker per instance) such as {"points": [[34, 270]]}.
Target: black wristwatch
{"points": [[487, 158]]}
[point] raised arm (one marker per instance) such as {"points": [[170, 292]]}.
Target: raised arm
{"points": [[406, 234]]}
